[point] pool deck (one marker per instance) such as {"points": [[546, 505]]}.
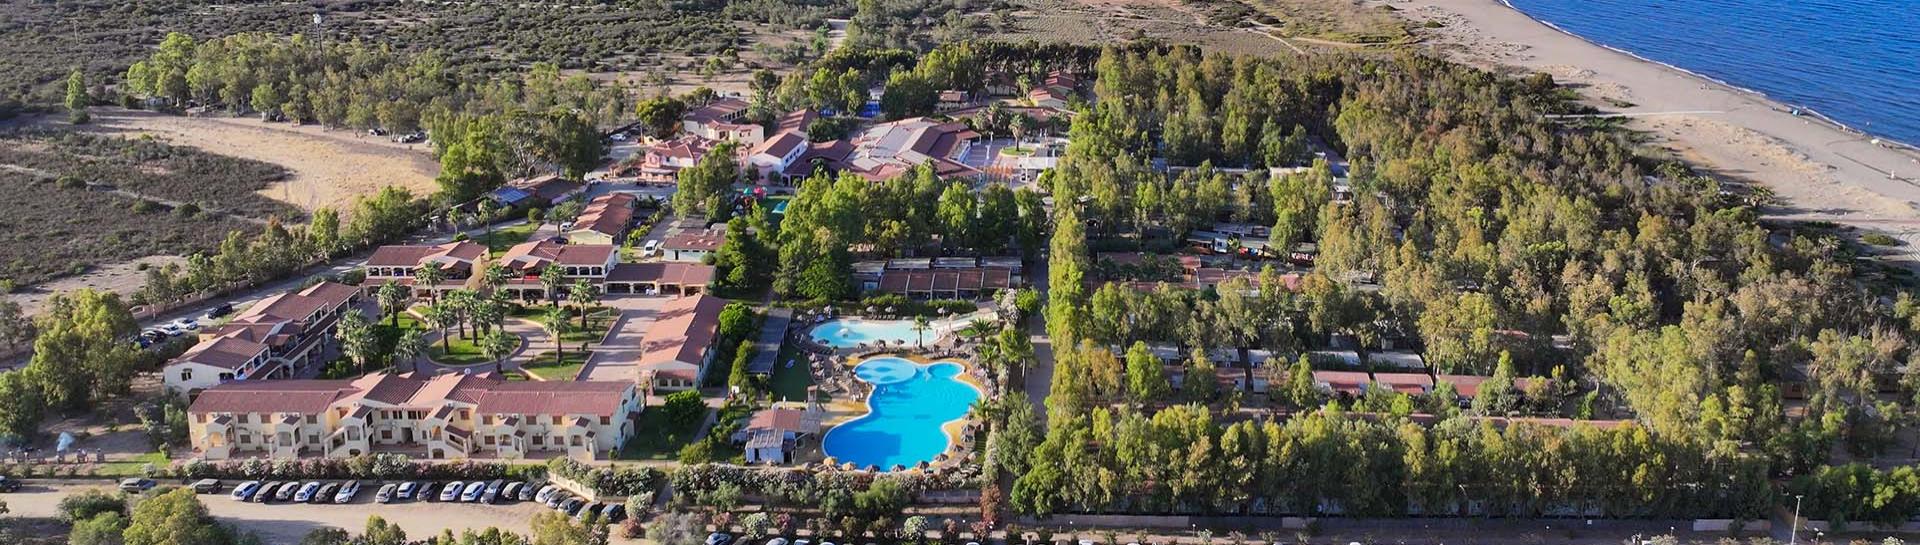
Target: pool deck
{"points": [[842, 411]]}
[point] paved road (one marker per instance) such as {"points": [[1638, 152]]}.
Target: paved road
{"points": [[287, 523], [1040, 373], [619, 357]]}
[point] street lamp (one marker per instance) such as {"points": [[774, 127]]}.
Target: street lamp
{"points": [[1793, 535]]}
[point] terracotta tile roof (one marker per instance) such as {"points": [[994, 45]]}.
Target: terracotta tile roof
{"points": [[271, 396], [532, 257], [402, 255], [717, 110], [781, 144], [695, 241], [676, 343], [224, 352], [677, 273], [489, 394]]}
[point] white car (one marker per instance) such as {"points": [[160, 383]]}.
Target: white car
{"points": [[451, 491], [188, 324], [347, 492], [245, 490]]}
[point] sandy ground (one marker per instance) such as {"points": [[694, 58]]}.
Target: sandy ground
{"points": [[287, 523], [1821, 171], [330, 167], [122, 278]]}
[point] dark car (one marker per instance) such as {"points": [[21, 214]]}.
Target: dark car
{"points": [[326, 493], [492, 493], [206, 486], [528, 492], [9, 485], [222, 310], [267, 492], [136, 485], [613, 513], [429, 491], [287, 491], [512, 491]]}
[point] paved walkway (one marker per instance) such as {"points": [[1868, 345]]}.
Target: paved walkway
{"points": [[618, 358]]}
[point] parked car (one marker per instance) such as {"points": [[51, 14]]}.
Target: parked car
{"points": [[136, 485], [385, 495], [347, 492], [9, 485], [527, 492], [777, 541], [572, 505], [307, 491], [222, 310], [451, 491], [803, 542], [429, 491], [206, 486], [326, 493], [718, 538], [287, 491], [473, 492], [511, 491], [406, 490], [614, 513], [546, 493], [589, 510], [245, 490], [492, 491], [557, 499], [187, 324], [266, 492]]}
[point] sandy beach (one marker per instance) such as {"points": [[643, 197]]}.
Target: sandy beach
{"points": [[1820, 170]]}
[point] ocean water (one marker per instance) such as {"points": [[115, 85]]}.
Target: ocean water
{"points": [[909, 405], [1855, 61]]}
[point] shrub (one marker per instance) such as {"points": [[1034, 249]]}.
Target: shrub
{"points": [[87, 503], [1880, 239]]}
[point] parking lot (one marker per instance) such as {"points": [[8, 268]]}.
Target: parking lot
{"points": [[288, 522]]}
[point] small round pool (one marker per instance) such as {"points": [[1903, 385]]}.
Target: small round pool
{"points": [[847, 333], [909, 405]]}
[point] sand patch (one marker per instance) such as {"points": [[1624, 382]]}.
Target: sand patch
{"points": [[329, 167], [122, 278]]}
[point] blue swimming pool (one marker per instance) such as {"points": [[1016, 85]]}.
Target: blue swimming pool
{"points": [[846, 333], [909, 405]]}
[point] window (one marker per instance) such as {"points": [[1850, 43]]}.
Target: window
{"points": [[313, 438], [386, 434], [490, 441], [463, 414], [246, 439], [486, 419], [555, 419], [606, 420], [539, 440], [311, 419], [200, 418], [186, 374], [243, 418]]}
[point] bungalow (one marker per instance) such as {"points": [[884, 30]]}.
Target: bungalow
{"points": [[693, 246], [968, 283], [661, 162], [1349, 383], [278, 337], [604, 220], [460, 262], [677, 350], [1467, 387], [772, 158], [772, 435], [1397, 359], [1047, 97], [1406, 383]]}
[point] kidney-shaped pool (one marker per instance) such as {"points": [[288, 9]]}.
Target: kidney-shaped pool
{"points": [[909, 405]]}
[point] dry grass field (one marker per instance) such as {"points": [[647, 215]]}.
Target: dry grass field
{"points": [[1255, 27]]}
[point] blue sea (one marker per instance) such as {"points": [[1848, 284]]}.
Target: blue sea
{"points": [[1855, 61]]}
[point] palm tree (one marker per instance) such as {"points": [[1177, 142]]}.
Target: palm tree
{"points": [[582, 296], [550, 279], [921, 326], [429, 276], [393, 300], [555, 322], [356, 338], [498, 346], [494, 276], [408, 348], [461, 303], [487, 313], [441, 317], [980, 328]]}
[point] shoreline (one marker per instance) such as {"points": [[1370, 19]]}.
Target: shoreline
{"points": [[1755, 93], [1820, 169]]}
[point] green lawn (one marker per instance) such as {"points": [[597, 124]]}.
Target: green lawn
{"points": [[544, 365], [599, 320], [134, 467], [657, 439], [790, 384], [505, 237], [457, 351]]}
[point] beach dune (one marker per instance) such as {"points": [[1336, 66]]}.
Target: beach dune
{"points": [[1821, 171]]}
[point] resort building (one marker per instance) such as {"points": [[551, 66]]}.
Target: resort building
{"points": [[526, 261], [1348, 383], [693, 246], [940, 278], [428, 416], [886, 150], [772, 158], [659, 278], [604, 220], [723, 119], [661, 162], [677, 350], [460, 261], [279, 337]]}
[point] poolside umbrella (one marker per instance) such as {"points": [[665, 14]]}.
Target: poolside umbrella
{"points": [[871, 467], [889, 309], [922, 465], [898, 467], [830, 462], [940, 458], [871, 309], [849, 466]]}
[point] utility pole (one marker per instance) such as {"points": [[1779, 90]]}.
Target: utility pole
{"points": [[1793, 535]]}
